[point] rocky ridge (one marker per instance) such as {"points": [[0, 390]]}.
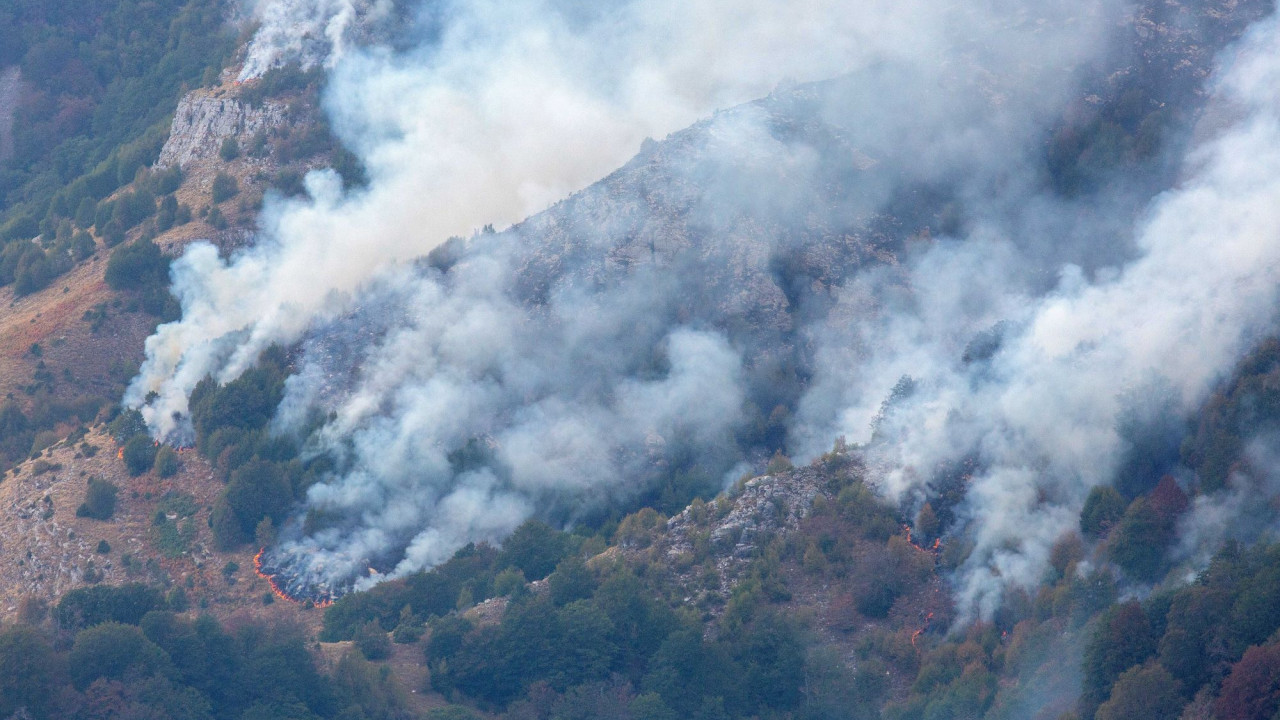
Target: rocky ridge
{"points": [[205, 118]]}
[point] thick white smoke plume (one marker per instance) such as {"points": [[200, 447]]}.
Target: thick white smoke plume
{"points": [[514, 106], [308, 32], [635, 328], [1044, 413]]}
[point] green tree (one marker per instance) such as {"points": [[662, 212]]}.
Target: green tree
{"points": [[30, 671], [535, 549], [113, 650], [227, 533], [224, 188], [451, 712], [586, 647], [1146, 692], [1138, 542], [1194, 618], [649, 706], [166, 462], [372, 641], [1122, 639], [84, 607], [509, 582], [1255, 615], [99, 500], [137, 266], [258, 490], [139, 454], [1102, 509], [571, 581]]}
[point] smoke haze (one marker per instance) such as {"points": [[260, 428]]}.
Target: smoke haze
{"points": [[1044, 412], [806, 252]]}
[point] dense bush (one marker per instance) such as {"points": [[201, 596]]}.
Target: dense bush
{"points": [[105, 603], [173, 667], [137, 266], [1102, 509], [258, 490], [112, 650], [139, 454], [534, 549], [224, 188], [99, 500], [372, 641], [166, 463]]}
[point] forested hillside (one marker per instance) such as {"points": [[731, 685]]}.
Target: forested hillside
{"points": [[356, 365]]}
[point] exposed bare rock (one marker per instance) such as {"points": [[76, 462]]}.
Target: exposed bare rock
{"points": [[205, 119], [735, 527]]}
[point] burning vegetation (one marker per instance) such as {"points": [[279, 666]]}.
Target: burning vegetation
{"points": [[294, 589]]}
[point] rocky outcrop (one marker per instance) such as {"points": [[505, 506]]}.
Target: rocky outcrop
{"points": [[736, 527], [204, 120]]}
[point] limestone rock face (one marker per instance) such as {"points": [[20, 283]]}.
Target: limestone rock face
{"points": [[203, 120]]}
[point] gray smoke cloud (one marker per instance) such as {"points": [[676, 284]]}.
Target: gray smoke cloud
{"points": [[646, 325], [1245, 512], [1044, 413], [308, 32]]}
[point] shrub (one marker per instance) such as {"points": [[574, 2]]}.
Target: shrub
{"points": [[112, 650], [139, 454], [90, 606], [372, 640], [1102, 509], [535, 549], [166, 462], [137, 266], [230, 149], [256, 491], [1147, 692], [99, 503], [224, 187]]}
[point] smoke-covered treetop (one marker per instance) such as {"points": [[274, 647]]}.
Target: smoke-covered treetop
{"points": [[990, 257]]}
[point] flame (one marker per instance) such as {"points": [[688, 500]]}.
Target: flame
{"points": [[275, 587], [120, 453], [928, 620], [932, 549]]}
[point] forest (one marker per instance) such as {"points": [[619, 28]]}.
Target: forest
{"points": [[806, 589]]}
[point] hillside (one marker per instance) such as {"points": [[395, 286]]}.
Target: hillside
{"points": [[943, 386]]}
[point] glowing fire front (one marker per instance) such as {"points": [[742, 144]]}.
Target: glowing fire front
{"points": [[291, 589]]}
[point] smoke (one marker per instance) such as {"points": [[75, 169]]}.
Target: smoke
{"points": [[306, 32], [1247, 512], [511, 107], [797, 253], [1045, 411]]}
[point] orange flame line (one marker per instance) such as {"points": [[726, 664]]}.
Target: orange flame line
{"points": [[928, 620], [275, 587]]}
